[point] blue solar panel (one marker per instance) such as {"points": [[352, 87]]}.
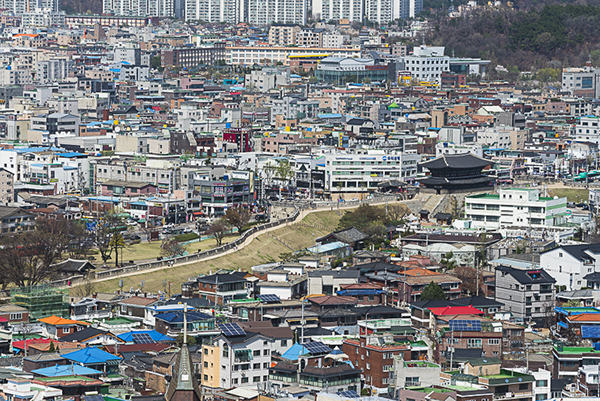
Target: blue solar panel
{"points": [[590, 332], [142, 338], [231, 329], [317, 347], [349, 394], [269, 298], [465, 325]]}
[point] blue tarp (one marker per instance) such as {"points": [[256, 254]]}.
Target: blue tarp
{"points": [[360, 292], [294, 352], [563, 324], [590, 331], [66, 370]]}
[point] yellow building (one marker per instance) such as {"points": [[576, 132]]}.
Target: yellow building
{"points": [[210, 367]]}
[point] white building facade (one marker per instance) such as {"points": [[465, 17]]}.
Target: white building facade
{"points": [[515, 207]]}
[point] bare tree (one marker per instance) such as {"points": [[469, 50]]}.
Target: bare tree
{"points": [[86, 288], [28, 258], [218, 230], [238, 217], [170, 247]]}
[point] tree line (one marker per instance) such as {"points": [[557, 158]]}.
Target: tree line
{"points": [[549, 36]]}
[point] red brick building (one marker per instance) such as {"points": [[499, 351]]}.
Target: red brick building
{"points": [[375, 358]]}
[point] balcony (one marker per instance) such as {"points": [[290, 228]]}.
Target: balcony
{"points": [[511, 396]]}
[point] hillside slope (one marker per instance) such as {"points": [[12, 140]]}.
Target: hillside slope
{"points": [[82, 6]]}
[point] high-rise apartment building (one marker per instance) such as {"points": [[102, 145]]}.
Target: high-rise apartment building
{"points": [[145, 8], [20, 7], [265, 12], [327, 10], [214, 11]]}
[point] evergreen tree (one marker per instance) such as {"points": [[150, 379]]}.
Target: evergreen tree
{"points": [[432, 291]]}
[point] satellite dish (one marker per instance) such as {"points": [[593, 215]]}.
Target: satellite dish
{"points": [[117, 129]]}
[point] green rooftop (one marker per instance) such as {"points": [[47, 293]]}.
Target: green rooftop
{"points": [[420, 364], [428, 390], [118, 321], [575, 350], [484, 196]]}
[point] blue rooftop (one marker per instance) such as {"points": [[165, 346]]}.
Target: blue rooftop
{"points": [[66, 370], [72, 154], [177, 316], [90, 356], [329, 115], [294, 352], [155, 335]]}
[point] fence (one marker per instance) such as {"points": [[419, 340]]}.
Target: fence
{"points": [[224, 248], [180, 259]]}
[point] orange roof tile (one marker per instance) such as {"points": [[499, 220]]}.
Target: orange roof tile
{"points": [[60, 321], [418, 272], [585, 317]]}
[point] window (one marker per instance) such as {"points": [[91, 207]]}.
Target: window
{"points": [[283, 343], [266, 352], [524, 386], [205, 364], [493, 341], [256, 352], [368, 353], [66, 330], [266, 365], [16, 316], [256, 366], [226, 350], [474, 342], [256, 379], [205, 377], [368, 365], [235, 381], [541, 383], [387, 368], [244, 380]]}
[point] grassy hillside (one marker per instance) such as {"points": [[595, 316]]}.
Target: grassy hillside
{"points": [[266, 248]]}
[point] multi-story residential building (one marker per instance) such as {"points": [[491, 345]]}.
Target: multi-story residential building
{"points": [[271, 55], [43, 18], [7, 193], [374, 355], [569, 264], [265, 12], [340, 70], [568, 360], [229, 11], [527, 294], [333, 40], [283, 35], [165, 177], [145, 8], [267, 78], [51, 70], [310, 37], [363, 170], [414, 373], [588, 130], [291, 107], [460, 345], [515, 207], [236, 359], [427, 64], [327, 10], [218, 287]]}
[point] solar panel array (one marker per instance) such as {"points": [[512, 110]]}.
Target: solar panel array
{"points": [[317, 347], [269, 298], [465, 325], [231, 329], [349, 394], [142, 338]]}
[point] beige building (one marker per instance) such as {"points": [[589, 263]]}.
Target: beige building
{"points": [[6, 186], [283, 35], [271, 55]]}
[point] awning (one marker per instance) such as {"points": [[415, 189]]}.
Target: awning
{"points": [[198, 213], [141, 220], [563, 325]]}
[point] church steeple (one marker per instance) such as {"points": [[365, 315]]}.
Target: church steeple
{"points": [[183, 385]]}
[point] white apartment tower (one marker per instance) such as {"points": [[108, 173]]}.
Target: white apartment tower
{"points": [[336, 9], [214, 11], [20, 7], [143, 8], [265, 12]]}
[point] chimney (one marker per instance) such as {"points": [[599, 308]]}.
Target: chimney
{"points": [[105, 115]]}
